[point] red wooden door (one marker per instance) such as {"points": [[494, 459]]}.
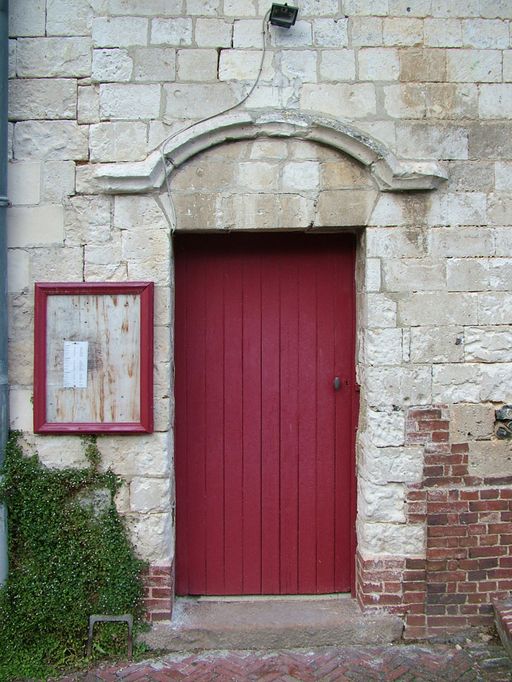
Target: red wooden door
{"points": [[264, 441]]}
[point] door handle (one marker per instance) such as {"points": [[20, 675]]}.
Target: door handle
{"points": [[336, 384]]}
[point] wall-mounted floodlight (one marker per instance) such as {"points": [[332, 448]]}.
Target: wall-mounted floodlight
{"points": [[283, 15]]}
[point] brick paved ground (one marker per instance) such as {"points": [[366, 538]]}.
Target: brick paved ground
{"points": [[404, 663]]}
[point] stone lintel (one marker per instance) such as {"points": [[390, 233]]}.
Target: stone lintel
{"points": [[391, 174]]}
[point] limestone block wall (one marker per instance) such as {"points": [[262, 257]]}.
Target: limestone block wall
{"points": [[98, 82]]}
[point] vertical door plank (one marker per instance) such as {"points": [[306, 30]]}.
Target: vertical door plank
{"points": [[181, 431], [307, 390], [233, 418], [214, 452], [326, 426], [251, 371], [196, 410], [344, 348], [289, 431], [270, 426]]}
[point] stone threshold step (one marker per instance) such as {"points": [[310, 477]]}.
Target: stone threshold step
{"points": [[273, 623]]}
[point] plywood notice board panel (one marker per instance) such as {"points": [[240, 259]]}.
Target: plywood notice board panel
{"points": [[93, 357]]}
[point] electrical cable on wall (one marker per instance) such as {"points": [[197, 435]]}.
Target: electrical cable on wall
{"points": [[163, 145]]}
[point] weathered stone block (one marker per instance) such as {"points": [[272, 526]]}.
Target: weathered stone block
{"points": [[451, 101], [157, 64], [392, 465], [247, 33], [385, 427], [58, 181], [87, 220], [258, 176], [490, 458], [301, 36], [118, 141], [147, 8], [391, 538], [381, 502], [425, 308], [58, 451], [301, 176], [267, 211], [379, 311], [114, 65], [42, 98], [145, 455], [493, 308], [88, 104], [330, 32], [145, 245], [470, 422], [68, 17], [372, 275], [412, 274], [344, 208], [456, 383], [239, 8], [490, 140], [171, 32], [56, 264], [317, 8], [129, 101], [35, 226], [152, 536], [150, 494], [366, 31], [239, 65], [268, 149], [386, 242], [346, 100], [488, 344], [473, 66], [197, 100], [388, 386], [382, 347], [405, 100], [27, 18], [470, 176], [18, 278], [500, 274], [301, 65], [378, 64], [24, 182], [443, 32], [53, 57], [495, 381], [402, 31], [197, 65], [343, 173], [467, 274], [50, 140], [495, 100], [337, 65], [456, 8], [486, 33], [418, 8], [423, 64], [203, 7], [462, 242], [437, 344], [428, 141], [216, 33], [139, 213], [119, 31]]}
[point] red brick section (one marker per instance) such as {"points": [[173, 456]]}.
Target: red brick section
{"points": [[468, 523], [159, 592]]}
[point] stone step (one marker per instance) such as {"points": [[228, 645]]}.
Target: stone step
{"points": [[269, 623]]}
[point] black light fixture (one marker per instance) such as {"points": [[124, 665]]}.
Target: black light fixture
{"points": [[283, 15]]}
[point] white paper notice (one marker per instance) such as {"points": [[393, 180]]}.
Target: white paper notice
{"points": [[75, 364]]}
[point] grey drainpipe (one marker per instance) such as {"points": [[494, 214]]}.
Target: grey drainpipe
{"points": [[4, 385]]}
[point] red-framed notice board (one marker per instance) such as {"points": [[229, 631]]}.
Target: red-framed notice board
{"points": [[93, 357]]}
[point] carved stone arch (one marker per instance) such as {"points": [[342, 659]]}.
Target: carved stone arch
{"points": [[390, 173]]}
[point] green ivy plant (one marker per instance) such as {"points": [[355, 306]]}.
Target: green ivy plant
{"points": [[69, 557]]}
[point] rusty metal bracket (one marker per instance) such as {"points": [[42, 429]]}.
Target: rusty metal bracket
{"points": [[125, 618]]}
